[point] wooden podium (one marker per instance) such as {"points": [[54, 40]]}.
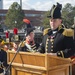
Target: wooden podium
{"points": [[38, 64]]}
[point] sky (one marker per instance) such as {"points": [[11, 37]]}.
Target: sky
{"points": [[41, 5]]}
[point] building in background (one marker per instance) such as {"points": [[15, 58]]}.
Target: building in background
{"points": [[36, 17], [1, 4]]}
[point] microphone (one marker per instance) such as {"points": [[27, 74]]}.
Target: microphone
{"points": [[6, 71]]}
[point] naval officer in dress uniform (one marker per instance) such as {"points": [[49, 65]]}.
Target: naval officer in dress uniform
{"points": [[57, 39]]}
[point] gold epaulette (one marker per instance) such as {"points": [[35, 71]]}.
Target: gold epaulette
{"points": [[6, 43], [22, 44], [68, 32], [3, 42], [46, 31]]}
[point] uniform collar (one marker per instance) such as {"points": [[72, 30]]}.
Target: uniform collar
{"points": [[50, 31], [54, 31], [57, 29]]}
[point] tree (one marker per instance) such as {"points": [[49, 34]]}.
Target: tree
{"points": [[14, 16], [68, 15], [46, 20]]}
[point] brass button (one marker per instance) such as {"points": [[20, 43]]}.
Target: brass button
{"points": [[58, 53], [51, 40], [46, 47], [51, 49], [51, 46], [47, 40], [46, 50], [52, 43]]}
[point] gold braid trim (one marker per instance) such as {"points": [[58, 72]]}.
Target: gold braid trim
{"points": [[52, 12], [22, 44], [34, 48], [60, 27], [62, 54]]}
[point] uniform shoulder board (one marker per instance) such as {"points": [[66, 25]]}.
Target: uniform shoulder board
{"points": [[68, 32], [46, 31], [22, 44]]}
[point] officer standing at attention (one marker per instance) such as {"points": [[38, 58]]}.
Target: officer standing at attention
{"points": [[29, 45], [57, 39], [3, 58]]}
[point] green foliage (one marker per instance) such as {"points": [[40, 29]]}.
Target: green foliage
{"points": [[14, 16], [67, 14], [46, 20]]}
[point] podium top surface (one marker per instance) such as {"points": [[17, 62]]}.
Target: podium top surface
{"points": [[37, 60]]}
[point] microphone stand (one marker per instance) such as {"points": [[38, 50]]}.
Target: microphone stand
{"points": [[6, 71]]}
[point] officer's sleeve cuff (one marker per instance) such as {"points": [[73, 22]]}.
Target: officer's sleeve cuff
{"points": [[60, 54], [2, 65]]}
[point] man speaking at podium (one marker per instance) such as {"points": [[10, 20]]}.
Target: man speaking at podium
{"points": [[57, 39]]}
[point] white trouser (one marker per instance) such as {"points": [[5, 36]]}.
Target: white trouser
{"points": [[1, 73]]}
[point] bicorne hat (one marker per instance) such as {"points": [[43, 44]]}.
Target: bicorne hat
{"points": [[55, 11], [29, 28]]}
